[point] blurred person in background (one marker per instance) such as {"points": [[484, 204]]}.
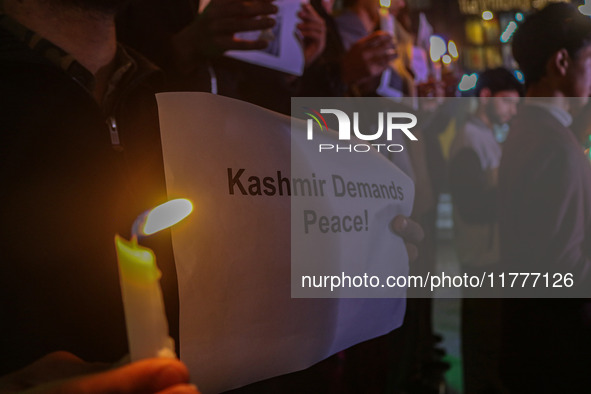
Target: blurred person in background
{"points": [[473, 170], [545, 207], [342, 67], [360, 20], [190, 45]]}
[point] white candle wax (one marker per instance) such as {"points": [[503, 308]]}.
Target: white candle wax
{"points": [[145, 318]]}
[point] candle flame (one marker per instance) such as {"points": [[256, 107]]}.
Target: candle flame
{"points": [[452, 49], [487, 15], [437, 48], [385, 3], [446, 59], [166, 215]]}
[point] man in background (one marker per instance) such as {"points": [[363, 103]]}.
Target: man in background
{"points": [[473, 171], [545, 208]]}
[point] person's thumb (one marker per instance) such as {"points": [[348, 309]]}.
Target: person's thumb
{"points": [[146, 376]]}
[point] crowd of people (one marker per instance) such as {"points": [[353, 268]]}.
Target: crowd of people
{"points": [[81, 157]]}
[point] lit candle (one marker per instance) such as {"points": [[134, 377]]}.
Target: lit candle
{"points": [[386, 19], [145, 318], [436, 51], [437, 70], [452, 49]]}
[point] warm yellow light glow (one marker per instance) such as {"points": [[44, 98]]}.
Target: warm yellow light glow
{"points": [[487, 15], [385, 3], [437, 48], [452, 49], [446, 59], [137, 263], [166, 215]]}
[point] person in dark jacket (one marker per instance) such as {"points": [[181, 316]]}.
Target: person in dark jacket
{"points": [[545, 209], [473, 172], [80, 159]]}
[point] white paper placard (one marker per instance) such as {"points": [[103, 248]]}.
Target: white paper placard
{"points": [[238, 322]]}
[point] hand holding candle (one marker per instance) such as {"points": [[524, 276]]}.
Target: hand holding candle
{"points": [[386, 18], [145, 318], [437, 51]]}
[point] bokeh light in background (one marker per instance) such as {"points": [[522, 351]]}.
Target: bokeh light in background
{"points": [[468, 82], [519, 75], [437, 48], [452, 49], [487, 15], [508, 33]]}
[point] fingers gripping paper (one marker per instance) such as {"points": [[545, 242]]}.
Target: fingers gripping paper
{"points": [[235, 256], [284, 50]]}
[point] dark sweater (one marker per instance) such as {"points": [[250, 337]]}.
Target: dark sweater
{"points": [[65, 193], [545, 226]]}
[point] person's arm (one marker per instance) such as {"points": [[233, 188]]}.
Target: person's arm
{"points": [[313, 30], [366, 60], [211, 33], [63, 372]]}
